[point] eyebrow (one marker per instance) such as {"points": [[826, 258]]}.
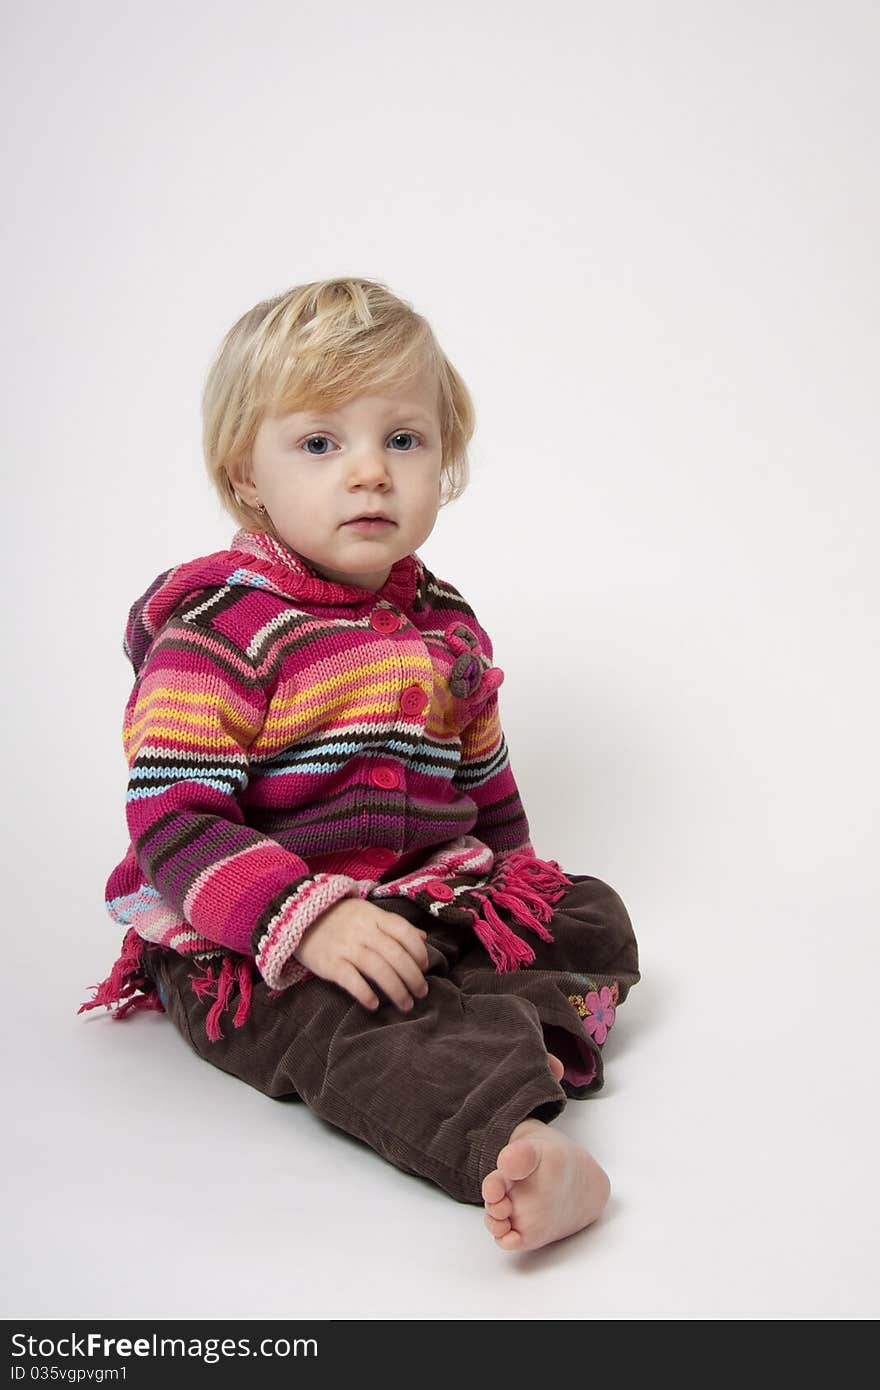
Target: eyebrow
{"points": [[413, 412]]}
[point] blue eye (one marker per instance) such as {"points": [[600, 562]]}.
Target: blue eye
{"points": [[399, 434], [312, 441]]}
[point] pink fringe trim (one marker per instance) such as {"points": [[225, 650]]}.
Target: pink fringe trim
{"points": [[127, 977], [123, 982], [506, 949], [206, 986], [527, 887]]}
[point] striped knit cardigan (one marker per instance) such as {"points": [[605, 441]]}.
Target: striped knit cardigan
{"points": [[293, 741]]}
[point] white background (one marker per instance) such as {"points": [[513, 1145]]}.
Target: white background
{"points": [[647, 236]]}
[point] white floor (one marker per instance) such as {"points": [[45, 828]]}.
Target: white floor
{"points": [[737, 1125]]}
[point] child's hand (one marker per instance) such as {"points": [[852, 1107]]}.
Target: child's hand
{"points": [[355, 940]]}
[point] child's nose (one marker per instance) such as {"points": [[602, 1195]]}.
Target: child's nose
{"points": [[370, 465]]}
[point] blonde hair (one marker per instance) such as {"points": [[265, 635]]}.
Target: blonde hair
{"points": [[314, 347]]}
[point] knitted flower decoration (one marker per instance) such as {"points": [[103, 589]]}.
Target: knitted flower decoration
{"points": [[600, 1015]]}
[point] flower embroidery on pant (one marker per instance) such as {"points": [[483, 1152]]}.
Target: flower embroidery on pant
{"points": [[596, 1009], [577, 1001]]}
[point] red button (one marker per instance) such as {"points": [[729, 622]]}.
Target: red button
{"points": [[436, 888], [379, 858], [385, 777], [413, 699], [383, 620]]}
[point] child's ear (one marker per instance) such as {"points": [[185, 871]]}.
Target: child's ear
{"points": [[238, 471]]}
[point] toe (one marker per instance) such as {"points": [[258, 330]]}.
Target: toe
{"points": [[512, 1240], [500, 1209], [556, 1066], [496, 1228], [516, 1161], [494, 1187]]}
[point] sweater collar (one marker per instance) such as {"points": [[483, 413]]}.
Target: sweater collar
{"points": [[285, 567]]}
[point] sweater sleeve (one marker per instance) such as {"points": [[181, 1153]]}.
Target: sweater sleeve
{"points": [[195, 710], [485, 775]]}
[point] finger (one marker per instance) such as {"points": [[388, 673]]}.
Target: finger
{"points": [[374, 965], [411, 938], [353, 982], [401, 961]]}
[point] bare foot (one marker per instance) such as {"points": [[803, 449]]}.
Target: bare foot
{"points": [[544, 1188], [555, 1066]]}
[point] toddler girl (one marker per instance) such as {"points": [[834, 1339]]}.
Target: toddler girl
{"points": [[330, 885]]}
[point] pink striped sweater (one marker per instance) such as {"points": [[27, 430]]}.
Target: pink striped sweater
{"points": [[293, 741]]}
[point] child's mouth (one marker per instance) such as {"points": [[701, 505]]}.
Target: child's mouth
{"points": [[376, 524]]}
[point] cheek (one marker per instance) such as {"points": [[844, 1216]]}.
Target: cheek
{"points": [[423, 507], [289, 484], [426, 487]]}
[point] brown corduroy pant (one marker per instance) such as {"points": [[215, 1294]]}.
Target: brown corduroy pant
{"points": [[436, 1091]]}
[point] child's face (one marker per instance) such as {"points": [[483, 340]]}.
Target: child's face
{"points": [[314, 471]]}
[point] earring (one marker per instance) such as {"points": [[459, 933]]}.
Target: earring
{"points": [[260, 507]]}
